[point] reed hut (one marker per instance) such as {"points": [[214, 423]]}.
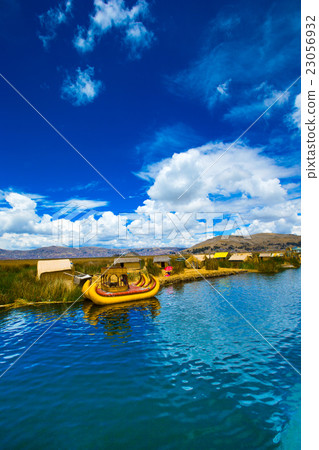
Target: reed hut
{"points": [[265, 255], [237, 258], [201, 257], [130, 263], [196, 261], [55, 267], [162, 261], [192, 262]]}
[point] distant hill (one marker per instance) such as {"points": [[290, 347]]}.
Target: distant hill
{"points": [[256, 243], [82, 252]]}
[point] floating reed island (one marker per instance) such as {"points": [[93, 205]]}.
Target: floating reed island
{"points": [[199, 274], [24, 282]]}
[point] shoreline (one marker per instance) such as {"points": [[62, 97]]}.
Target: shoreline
{"points": [[20, 303], [199, 274], [185, 277]]}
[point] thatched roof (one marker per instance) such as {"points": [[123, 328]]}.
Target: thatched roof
{"points": [[200, 257], [192, 258], [159, 259], [53, 265], [240, 256], [130, 259]]}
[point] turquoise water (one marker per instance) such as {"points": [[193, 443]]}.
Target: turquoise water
{"points": [[184, 371]]}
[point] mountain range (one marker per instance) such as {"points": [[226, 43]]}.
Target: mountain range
{"points": [[56, 252], [255, 243]]}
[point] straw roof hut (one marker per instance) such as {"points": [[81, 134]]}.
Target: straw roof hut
{"points": [[240, 257], [265, 255], [193, 262], [58, 266], [129, 262], [162, 261], [201, 258]]}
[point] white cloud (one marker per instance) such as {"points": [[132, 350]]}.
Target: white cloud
{"points": [[223, 88], [114, 14], [240, 170], [294, 118], [20, 202], [81, 88], [243, 182], [138, 38], [84, 43], [21, 226], [51, 20], [21, 217], [257, 100]]}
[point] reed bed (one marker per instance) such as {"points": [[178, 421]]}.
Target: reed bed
{"points": [[18, 282]]}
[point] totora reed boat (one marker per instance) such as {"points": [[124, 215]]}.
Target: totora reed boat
{"points": [[112, 286]]}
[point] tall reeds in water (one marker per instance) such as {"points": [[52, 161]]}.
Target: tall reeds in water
{"points": [[18, 282]]}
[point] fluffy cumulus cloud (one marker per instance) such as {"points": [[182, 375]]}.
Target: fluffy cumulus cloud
{"points": [[52, 19], [114, 14], [211, 178], [81, 88], [71, 222], [20, 216], [191, 196]]}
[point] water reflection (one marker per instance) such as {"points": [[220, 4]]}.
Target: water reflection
{"points": [[116, 319], [189, 365]]}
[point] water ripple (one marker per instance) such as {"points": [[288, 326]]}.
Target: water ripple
{"points": [[180, 371]]}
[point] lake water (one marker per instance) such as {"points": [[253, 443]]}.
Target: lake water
{"points": [[183, 371]]}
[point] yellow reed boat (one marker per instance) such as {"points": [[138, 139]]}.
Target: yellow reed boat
{"points": [[112, 287]]}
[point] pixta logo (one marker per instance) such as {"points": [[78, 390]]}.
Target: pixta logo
{"points": [[73, 226]]}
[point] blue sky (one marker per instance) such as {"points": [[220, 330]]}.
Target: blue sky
{"points": [[151, 93]]}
